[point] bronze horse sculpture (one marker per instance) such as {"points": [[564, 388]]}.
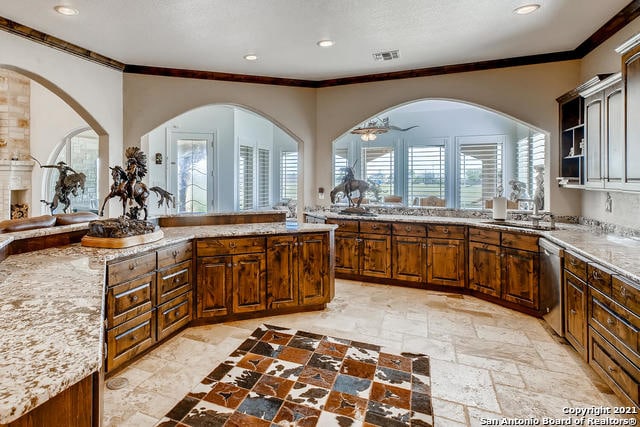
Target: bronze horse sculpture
{"points": [[69, 182], [128, 185], [348, 185]]}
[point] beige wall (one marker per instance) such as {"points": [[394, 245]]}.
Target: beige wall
{"points": [[92, 90], [51, 121], [625, 206], [524, 93], [150, 101]]}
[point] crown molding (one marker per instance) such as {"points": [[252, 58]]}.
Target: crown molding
{"points": [[621, 19]]}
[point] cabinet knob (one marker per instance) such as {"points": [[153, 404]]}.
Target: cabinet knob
{"points": [[408, 228], [596, 275], [374, 227], [132, 266], [424, 245], [232, 244], [623, 292], [176, 313], [572, 311], [611, 369], [610, 321], [229, 265], [134, 298], [573, 262], [445, 230], [235, 264]]}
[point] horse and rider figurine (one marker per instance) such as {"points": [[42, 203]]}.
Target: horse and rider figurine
{"points": [[68, 183], [348, 185], [128, 185]]}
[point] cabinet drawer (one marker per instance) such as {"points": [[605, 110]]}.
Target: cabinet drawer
{"points": [[520, 241], [130, 299], [625, 293], [603, 316], [173, 315], [490, 237], [413, 230], [174, 254], [173, 281], [375, 227], [446, 231], [617, 371], [346, 225], [121, 271], [242, 245], [126, 341], [599, 278], [576, 265]]}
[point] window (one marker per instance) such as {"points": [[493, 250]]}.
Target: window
{"points": [[79, 150], [378, 167], [425, 172], [530, 153], [340, 161], [289, 175], [253, 177], [192, 175], [480, 172], [245, 178]]}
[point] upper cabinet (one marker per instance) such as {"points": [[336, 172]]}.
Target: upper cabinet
{"points": [[630, 52]]}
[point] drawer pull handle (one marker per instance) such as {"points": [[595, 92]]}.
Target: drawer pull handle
{"points": [[374, 227], [623, 292], [424, 245], [407, 228], [573, 262], [610, 321], [573, 311], [176, 313], [445, 230], [232, 245], [596, 275], [174, 253], [611, 369]]}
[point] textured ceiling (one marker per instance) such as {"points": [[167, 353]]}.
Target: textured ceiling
{"points": [[214, 35]]}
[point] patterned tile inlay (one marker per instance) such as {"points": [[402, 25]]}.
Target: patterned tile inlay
{"points": [[286, 377]]}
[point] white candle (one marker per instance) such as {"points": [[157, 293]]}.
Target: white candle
{"points": [[499, 208]]}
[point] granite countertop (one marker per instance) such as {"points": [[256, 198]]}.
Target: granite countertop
{"points": [[52, 304]]}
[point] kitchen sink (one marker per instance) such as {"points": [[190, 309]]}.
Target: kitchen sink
{"points": [[521, 224]]}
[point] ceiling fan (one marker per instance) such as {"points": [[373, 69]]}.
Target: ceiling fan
{"points": [[375, 127]]}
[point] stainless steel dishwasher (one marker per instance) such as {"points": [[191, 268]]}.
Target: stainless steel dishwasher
{"points": [[551, 296]]}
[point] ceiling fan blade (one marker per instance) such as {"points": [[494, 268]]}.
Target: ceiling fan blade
{"points": [[400, 129]]}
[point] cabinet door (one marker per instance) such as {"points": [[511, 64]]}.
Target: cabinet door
{"points": [[593, 137], [375, 258], [520, 277], [313, 267], [213, 286], [282, 271], [347, 253], [631, 72], [614, 125], [249, 283], [484, 268], [575, 303], [409, 258], [445, 262]]}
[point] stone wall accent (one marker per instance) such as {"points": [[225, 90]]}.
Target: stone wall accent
{"points": [[15, 94]]}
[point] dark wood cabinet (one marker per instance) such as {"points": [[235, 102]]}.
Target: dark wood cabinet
{"points": [[571, 135], [248, 286], [375, 255], [575, 309], [314, 269], [347, 253], [485, 272], [446, 262], [409, 258], [214, 286], [520, 276], [594, 111]]}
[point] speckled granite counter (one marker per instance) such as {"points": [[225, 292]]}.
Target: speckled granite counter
{"points": [[620, 254], [51, 310]]}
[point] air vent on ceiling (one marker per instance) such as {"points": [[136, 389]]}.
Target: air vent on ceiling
{"points": [[386, 55]]}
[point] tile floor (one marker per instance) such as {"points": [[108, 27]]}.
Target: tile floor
{"points": [[486, 361]]}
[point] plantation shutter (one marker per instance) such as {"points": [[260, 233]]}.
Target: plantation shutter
{"points": [[264, 200], [480, 167], [378, 167], [340, 162], [425, 171], [245, 177], [289, 175]]}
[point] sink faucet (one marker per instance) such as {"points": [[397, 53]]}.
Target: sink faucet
{"points": [[535, 216]]}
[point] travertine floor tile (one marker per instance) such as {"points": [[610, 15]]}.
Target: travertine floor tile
{"points": [[465, 384]]}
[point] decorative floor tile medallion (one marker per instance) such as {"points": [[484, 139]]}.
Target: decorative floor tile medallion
{"points": [[284, 377]]}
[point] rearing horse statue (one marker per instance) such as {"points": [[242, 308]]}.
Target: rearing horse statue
{"points": [[128, 185], [348, 185]]}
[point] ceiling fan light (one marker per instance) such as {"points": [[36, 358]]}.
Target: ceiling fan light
{"points": [[325, 43], [251, 57], [526, 9]]}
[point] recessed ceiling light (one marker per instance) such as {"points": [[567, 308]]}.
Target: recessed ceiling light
{"points": [[526, 9], [325, 43], [66, 10], [251, 57]]}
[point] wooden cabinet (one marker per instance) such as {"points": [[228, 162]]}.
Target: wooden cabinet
{"points": [[485, 272], [594, 112], [446, 262], [571, 135], [520, 274], [148, 298], [314, 269], [614, 135], [409, 258], [363, 248], [347, 252], [575, 309], [375, 255], [234, 281]]}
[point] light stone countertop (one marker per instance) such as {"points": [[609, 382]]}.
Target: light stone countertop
{"points": [[52, 308]]}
